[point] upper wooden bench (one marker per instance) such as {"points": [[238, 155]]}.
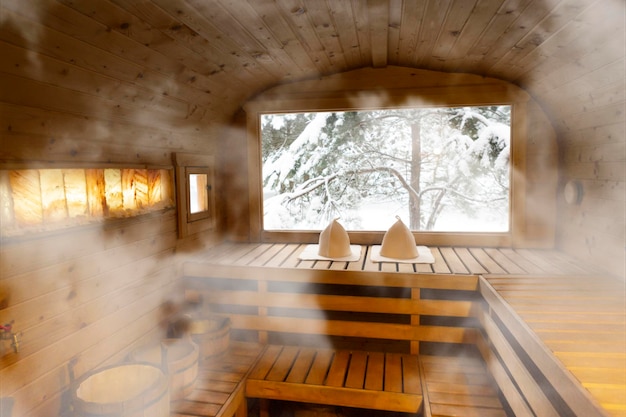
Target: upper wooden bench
{"points": [[448, 260]]}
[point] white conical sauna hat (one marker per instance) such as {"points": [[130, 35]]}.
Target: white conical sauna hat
{"points": [[398, 242], [334, 241]]}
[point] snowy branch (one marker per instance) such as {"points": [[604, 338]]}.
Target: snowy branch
{"points": [[453, 191], [317, 182]]}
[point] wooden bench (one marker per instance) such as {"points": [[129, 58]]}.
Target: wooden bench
{"points": [[358, 379], [578, 318], [361, 330], [362, 307]]}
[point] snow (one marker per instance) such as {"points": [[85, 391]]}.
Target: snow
{"points": [[302, 164]]}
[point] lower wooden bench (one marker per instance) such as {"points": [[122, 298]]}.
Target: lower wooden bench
{"points": [[219, 388], [358, 379]]}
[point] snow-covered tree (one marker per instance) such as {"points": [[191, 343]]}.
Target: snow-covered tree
{"points": [[420, 162]]}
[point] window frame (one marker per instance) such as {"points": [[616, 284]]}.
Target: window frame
{"points": [[204, 214], [392, 218], [186, 164], [472, 95]]}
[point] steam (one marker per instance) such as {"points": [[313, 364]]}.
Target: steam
{"points": [[96, 291]]}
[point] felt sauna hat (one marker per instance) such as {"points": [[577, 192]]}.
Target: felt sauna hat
{"points": [[398, 242], [334, 241]]}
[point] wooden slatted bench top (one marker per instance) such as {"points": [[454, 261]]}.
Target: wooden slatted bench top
{"points": [[448, 260], [568, 317], [372, 380], [579, 320]]}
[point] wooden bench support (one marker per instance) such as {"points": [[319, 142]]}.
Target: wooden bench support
{"points": [[358, 379]]}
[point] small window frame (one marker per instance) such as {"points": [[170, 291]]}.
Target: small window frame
{"points": [[204, 214], [187, 164]]}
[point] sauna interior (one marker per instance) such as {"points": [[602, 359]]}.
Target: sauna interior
{"points": [[142, 95]]}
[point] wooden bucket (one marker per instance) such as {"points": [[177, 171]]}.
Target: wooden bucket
{"points": [[182, 363], [213, 335], [127, 390]]}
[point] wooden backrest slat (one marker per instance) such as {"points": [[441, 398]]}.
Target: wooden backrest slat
{"points": [[365, 329], [348, 277], [314, 301], [447, 308], [538, 400]]}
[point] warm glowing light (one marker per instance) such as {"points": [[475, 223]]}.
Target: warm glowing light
{"points": [[50, 199]]}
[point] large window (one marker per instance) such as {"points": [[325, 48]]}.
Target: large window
{"points": [[441, 169]]}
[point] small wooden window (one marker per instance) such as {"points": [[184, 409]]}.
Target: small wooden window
{"points": [[198, 194], [195, 191]]}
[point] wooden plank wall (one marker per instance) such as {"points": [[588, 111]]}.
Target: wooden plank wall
{"points": [[122, 82], [587, 100], [85, 297], [72, 94]]}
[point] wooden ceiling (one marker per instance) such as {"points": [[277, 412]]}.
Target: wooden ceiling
{"points": [[218, 53]]}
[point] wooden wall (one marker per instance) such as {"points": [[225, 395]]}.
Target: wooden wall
{"points": [[578, 75], [88, 295], [123, 82], [593, 152]]}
